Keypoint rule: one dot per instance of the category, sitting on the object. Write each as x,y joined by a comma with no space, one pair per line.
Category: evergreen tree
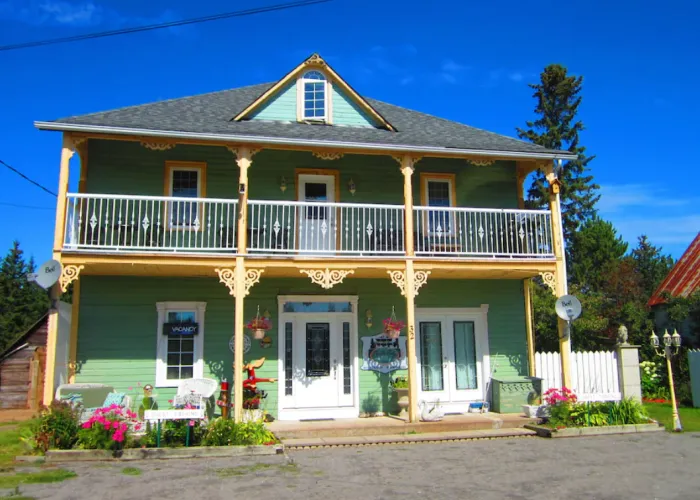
650,264
21,303
558,99
594,251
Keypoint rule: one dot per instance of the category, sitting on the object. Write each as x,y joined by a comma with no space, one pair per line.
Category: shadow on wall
382,400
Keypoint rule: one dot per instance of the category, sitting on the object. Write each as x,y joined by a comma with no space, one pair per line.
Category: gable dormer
314,93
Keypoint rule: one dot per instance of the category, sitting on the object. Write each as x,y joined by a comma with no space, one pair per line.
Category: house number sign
384,355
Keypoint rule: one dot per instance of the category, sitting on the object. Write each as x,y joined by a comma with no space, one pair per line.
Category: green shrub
224,432
57,427
597,414
625,412
400,383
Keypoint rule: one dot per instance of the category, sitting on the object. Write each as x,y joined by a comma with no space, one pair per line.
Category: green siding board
118,321
347,112
281,107
124,167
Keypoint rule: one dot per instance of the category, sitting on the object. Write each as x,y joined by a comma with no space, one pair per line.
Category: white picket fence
594,375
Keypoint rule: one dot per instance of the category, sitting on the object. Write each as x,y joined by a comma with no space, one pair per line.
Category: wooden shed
22,367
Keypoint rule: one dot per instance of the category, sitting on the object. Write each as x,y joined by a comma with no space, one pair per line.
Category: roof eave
251,139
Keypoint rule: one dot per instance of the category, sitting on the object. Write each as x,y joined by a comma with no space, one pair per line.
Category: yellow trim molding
398,278
425,177
315,62
550,280
68,275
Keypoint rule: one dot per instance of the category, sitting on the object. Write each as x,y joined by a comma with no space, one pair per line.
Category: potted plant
393,326
534,408
259,325
400,385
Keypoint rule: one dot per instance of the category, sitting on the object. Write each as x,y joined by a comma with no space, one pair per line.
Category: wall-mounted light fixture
368,318
283,184
351,186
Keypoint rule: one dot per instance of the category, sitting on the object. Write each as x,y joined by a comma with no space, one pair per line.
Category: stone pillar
628,371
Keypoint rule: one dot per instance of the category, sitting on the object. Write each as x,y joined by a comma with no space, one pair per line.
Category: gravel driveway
651,466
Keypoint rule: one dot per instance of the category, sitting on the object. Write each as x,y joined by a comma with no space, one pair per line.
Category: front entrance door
318,361
316,225
452,349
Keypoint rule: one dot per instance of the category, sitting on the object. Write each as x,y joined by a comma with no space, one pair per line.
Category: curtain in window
465,355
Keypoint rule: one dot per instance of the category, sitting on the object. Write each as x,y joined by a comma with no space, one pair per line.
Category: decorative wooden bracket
398,278
227,276
69,274
328,155
327,278
481,162
234,150
550,280
414,160
158,146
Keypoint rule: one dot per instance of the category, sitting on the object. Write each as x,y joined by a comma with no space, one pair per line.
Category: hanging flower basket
393,326
259,325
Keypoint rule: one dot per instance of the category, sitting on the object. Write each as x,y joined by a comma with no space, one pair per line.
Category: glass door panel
432,376
465,355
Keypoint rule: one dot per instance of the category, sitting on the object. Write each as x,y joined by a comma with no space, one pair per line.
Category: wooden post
409,289
243,159
34,373
529,328
59,231
560,272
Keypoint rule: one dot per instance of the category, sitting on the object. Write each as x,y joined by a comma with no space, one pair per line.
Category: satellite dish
47,274
568,307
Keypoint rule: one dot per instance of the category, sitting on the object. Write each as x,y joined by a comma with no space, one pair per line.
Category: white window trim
450,190
173,169
328,101
162,341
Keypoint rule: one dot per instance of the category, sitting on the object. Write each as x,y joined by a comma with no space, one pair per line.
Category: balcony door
316,224
452,347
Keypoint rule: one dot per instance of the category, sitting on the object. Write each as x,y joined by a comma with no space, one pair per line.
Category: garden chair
195,391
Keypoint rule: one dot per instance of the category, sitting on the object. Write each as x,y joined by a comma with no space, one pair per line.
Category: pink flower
87,425
191,423
170,401
131,388
118,437
107,425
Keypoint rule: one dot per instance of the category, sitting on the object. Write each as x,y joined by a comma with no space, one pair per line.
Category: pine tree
650,264
558,99
21,303
595,249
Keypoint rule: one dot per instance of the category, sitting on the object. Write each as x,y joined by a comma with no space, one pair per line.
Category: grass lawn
690,417
10,445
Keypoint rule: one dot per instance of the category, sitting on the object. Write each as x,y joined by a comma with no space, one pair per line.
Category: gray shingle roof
212,113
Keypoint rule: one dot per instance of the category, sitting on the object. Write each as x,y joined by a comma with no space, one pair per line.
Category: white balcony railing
123,223
144,224
317,228
474,232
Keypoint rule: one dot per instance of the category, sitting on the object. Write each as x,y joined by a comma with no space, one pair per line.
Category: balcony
196,226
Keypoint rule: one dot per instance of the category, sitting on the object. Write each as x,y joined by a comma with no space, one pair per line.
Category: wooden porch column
55,292
409,288
561,287
243,159
529,327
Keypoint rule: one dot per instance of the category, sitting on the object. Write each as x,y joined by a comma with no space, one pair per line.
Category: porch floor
391,425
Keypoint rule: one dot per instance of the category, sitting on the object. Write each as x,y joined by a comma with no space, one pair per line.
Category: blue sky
466,61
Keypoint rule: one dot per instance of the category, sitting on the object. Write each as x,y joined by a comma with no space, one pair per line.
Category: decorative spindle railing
145,224
123,223
475,232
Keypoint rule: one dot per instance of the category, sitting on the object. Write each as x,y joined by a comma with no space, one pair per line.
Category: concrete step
382,426
428,437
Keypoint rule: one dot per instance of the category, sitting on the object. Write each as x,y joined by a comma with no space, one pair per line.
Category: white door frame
286,409
479,315
318,240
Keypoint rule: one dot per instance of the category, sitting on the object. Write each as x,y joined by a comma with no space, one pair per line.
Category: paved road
652,466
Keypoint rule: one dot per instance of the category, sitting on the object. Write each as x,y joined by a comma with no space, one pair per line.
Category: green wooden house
320,210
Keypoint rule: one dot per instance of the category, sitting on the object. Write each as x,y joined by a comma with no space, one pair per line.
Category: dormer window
314,98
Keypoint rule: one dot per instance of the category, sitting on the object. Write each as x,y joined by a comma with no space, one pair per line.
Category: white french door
316,225
318,359
452,351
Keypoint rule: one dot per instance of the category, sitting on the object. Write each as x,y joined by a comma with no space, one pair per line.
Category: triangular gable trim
315,61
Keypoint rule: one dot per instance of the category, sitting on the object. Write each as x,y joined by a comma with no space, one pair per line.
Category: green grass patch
690,417
131,471
10,444
44,476
247,469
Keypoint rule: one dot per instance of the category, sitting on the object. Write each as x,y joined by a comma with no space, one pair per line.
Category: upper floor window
314,97
438,190
184,180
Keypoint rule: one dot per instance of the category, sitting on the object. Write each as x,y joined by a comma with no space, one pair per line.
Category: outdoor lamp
676,339
667,339
283,184
368,318
654,339
351,187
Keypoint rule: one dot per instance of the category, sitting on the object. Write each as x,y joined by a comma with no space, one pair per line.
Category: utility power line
31,207
28,179
137,29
